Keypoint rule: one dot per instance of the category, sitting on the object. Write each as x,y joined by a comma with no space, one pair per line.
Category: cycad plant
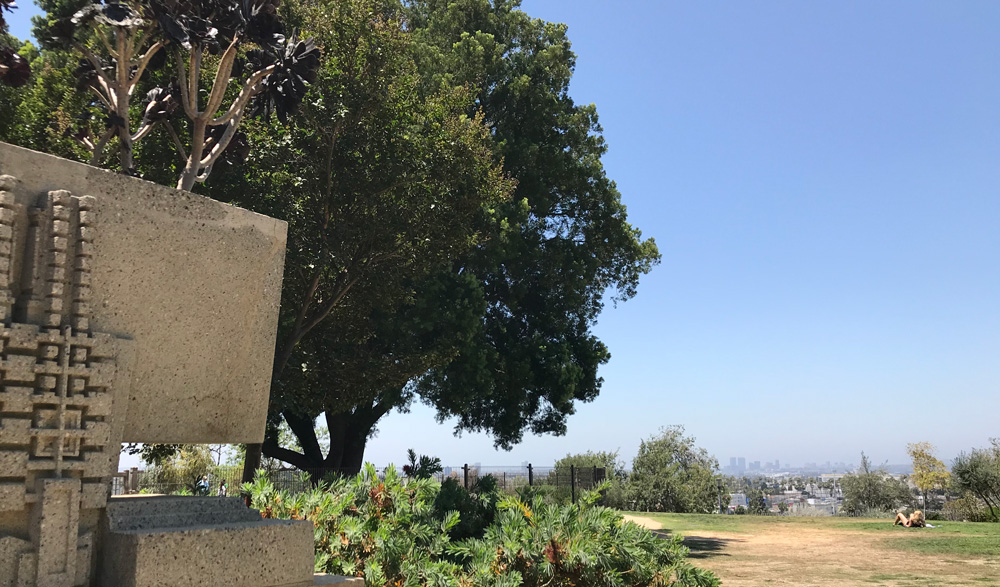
387,530
533,543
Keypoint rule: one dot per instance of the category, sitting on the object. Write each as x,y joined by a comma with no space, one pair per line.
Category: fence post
531,476
572,482
465,474
593,478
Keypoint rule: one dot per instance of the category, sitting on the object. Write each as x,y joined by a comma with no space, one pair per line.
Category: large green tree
382,185
415,269
500,339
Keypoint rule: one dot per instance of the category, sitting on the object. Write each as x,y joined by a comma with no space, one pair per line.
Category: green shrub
978,473
379,529
671,474
871,492
476,508
535,544
394,531
968,508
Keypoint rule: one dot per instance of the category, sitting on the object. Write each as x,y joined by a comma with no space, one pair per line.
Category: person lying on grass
916,520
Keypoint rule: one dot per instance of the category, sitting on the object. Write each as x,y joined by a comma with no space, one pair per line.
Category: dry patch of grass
752,550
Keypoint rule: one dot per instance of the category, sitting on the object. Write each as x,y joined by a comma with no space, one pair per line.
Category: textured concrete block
142,314
54,529
232,545
195,283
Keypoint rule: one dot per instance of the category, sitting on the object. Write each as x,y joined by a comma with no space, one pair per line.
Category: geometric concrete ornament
57,408
130,312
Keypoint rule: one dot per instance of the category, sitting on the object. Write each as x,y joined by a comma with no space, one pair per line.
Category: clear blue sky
823,180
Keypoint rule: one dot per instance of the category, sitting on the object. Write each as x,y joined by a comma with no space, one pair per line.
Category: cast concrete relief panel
193,282
128,312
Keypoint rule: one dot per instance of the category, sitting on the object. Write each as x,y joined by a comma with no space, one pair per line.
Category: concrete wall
195,283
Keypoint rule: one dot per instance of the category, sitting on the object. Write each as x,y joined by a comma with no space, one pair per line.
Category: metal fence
563,483
154,481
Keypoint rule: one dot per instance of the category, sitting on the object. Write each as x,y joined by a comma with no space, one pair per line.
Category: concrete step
181,519
139,513
121,506
263,553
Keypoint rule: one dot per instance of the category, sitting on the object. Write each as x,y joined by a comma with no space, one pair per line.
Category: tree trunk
349,432
348,437
252,462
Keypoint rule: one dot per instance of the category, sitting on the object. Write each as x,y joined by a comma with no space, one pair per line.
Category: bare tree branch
248,91
221,79
143,62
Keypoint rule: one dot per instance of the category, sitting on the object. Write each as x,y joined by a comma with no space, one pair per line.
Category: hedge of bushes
409,532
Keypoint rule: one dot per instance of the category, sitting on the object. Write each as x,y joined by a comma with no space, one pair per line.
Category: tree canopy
499,338
453,236
929,472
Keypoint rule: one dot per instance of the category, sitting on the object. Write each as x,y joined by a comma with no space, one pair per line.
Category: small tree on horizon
671,474
929,473
872,489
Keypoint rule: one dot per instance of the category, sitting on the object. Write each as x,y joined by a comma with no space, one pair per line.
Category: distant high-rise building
732,462
742,464
777,464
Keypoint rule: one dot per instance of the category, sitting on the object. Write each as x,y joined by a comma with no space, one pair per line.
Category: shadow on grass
701,546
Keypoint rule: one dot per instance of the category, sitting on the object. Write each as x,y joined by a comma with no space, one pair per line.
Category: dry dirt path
806,557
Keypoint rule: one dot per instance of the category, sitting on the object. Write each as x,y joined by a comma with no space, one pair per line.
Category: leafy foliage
967,508
500,336
614,467
183,467
977,473
476,507
421,467
155,454
382,186
583,465
929,473
392,533
756,502
671,474
568,242
870,491
14,69
119,41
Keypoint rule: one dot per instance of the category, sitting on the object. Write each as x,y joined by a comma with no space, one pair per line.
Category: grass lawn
755,550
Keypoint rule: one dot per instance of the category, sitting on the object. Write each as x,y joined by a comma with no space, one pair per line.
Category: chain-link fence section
565,484
220,481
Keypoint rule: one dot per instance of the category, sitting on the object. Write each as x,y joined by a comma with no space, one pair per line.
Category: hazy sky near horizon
823,181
